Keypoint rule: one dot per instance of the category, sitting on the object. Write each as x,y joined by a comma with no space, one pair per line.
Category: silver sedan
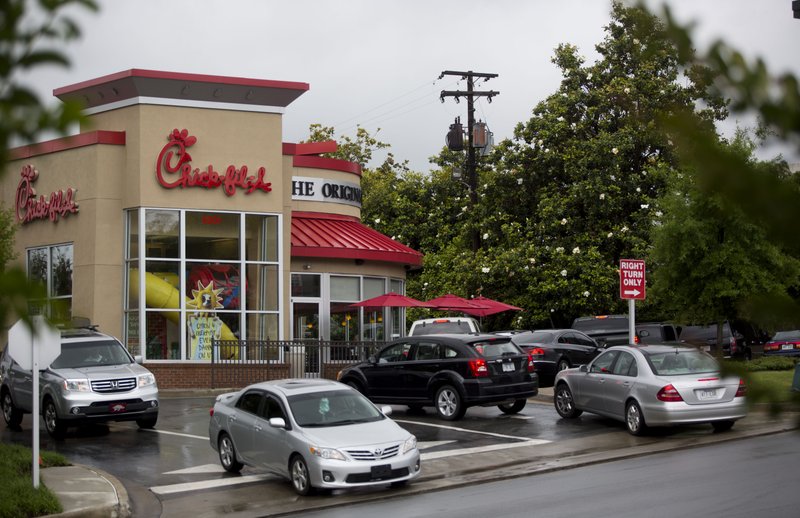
652,385
319,434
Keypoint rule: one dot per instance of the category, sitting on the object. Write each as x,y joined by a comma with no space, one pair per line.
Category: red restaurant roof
344,237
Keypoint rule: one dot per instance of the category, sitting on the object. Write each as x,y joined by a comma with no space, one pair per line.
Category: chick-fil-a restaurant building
178,215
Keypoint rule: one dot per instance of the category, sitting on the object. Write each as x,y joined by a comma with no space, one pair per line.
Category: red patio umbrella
450,302
491,307
391,300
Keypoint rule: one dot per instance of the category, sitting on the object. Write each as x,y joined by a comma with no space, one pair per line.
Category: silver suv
94,379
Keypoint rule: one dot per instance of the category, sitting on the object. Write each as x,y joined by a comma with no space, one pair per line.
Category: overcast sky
377,62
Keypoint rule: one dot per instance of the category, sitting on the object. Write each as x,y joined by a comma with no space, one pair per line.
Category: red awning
342,237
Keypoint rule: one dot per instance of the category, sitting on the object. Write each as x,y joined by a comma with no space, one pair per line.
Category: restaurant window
207,276
344,324
373,324
51,267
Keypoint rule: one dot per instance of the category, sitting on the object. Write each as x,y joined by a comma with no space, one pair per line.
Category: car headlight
145,380
77,386
410,444
327,453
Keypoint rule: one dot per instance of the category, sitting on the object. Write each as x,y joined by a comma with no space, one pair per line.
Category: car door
385,376
20,382
582,349
589,394
271,447
241,423
619,383
426,356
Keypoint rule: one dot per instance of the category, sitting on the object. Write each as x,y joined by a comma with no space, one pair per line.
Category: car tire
449,404
563,364
513,408
565,403
54,425
11,414
147,423
301,479
227,454
634,419
722,426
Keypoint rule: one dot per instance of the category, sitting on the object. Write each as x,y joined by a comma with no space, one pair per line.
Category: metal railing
238,363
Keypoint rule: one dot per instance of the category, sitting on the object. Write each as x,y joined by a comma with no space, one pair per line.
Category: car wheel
227,454
449,404
513,408
563,364
634,420
301,481
565,404
722,426
11,414
55,426
147,422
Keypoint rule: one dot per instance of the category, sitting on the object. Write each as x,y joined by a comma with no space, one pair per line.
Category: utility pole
470,94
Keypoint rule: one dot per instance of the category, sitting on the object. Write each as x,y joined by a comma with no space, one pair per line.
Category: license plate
508,367
379,472
787,347
706,394
116,408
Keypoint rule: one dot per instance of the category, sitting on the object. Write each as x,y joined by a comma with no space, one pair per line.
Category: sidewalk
87,492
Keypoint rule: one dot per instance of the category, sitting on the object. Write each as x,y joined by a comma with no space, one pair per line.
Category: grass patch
18,498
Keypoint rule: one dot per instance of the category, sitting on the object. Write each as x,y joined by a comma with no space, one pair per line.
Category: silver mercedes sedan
319,434
652,385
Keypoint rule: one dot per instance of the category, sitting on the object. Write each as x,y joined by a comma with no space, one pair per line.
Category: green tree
31,36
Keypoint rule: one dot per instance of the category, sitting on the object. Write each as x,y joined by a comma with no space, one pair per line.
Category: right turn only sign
631,279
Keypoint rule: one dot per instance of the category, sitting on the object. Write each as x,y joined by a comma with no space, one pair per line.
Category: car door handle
258,428
231,418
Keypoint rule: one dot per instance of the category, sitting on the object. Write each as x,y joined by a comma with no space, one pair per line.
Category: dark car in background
449,372
610,330
783,343
704,337
554,350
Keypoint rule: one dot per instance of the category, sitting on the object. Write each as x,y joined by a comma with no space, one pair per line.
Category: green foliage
771,363
18,498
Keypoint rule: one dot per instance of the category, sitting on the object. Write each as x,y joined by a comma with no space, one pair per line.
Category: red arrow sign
632,279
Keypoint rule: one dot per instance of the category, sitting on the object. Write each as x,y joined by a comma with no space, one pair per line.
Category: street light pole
471,166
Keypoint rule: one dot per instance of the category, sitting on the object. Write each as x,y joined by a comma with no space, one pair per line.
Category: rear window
495,349
542,337
682,362
443,327
787,335
601,323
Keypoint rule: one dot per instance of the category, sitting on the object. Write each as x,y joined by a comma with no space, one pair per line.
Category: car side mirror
584,368
277,422
387,410
138,359
372,359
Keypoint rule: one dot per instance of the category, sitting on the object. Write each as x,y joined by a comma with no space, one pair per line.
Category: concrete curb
87,492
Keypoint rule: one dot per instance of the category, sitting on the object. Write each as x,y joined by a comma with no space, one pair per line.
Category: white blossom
547,150
532,260
486,235
645,205
623,229
610,234
464,208
564,221
627,90
576,250
585,293
563,273
635,41
589,75
560,119
659,213
614,177
638,189
559,249
425,284
377,220
485,269
519,181
540,142
614,150
602,196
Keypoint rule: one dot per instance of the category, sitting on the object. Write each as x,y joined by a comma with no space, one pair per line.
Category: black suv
449,372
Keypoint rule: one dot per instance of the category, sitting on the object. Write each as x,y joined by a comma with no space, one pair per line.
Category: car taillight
536,352
771,347
478,368
733,345
742,390
531,366
668,393
211,412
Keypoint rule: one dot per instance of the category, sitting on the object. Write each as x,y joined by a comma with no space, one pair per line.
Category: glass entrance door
305,328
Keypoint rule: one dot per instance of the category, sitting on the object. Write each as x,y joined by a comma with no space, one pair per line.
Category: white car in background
444,325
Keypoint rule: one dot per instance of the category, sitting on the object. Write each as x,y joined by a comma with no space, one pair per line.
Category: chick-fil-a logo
174,169
29,207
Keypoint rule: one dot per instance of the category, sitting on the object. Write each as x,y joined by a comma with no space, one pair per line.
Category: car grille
357,478
108,386
375,454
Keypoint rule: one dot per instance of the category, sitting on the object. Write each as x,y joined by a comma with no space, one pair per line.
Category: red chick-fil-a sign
174,170
29,207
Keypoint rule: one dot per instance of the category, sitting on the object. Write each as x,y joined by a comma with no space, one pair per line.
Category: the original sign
631,279
319,189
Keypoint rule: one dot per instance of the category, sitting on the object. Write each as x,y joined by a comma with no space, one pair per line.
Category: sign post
632,287
30,351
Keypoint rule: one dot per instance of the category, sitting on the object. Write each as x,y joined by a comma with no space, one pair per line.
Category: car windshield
496,349
338,408
682,362
91,354
787,335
